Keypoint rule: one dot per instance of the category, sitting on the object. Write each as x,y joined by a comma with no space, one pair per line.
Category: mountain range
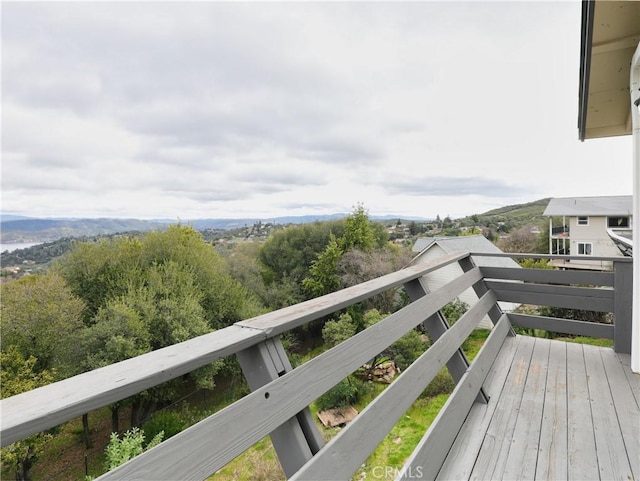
20,229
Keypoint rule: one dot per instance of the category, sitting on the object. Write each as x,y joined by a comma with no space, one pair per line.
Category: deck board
612,456
556,411
582,460
523,450
493,453
626,408
464,451
552,452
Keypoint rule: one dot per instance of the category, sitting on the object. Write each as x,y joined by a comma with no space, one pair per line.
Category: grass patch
587,340
388,458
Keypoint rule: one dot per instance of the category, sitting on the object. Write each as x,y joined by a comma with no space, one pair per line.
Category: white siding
596,234
437,279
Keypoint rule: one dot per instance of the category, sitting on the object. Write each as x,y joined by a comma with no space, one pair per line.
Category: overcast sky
199,110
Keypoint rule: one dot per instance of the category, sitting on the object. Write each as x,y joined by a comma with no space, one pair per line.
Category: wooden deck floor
557,411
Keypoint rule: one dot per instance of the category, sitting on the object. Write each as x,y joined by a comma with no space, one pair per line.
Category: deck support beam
436,325
298,439
622,307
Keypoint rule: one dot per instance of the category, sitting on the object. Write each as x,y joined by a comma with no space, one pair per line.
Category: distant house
429,248
591,226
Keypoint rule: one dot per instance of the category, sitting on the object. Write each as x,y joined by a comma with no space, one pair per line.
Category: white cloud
221,109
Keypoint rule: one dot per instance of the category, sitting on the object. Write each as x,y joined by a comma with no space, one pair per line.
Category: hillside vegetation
512,217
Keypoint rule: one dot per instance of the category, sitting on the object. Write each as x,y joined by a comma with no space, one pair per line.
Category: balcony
524,408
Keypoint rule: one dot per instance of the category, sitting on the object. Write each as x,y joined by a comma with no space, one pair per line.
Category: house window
618,222
584,248
583,220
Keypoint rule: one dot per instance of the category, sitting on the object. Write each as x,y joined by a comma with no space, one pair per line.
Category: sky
192,110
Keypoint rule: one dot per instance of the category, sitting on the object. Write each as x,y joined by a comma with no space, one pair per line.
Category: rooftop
621,205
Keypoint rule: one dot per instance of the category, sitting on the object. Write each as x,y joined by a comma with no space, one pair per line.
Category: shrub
454,310
119,451
334,332
407,349
443,383
348,391
169,422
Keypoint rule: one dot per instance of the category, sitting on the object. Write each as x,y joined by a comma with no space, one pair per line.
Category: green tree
288,254
148,293
41,317
336,331
358,231
323,277
20,374
110,269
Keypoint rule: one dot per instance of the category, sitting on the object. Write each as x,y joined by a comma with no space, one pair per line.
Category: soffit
605,68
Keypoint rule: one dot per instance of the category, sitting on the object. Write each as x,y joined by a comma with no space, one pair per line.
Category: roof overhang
609,38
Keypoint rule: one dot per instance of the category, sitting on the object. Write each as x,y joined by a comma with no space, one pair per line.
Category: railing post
480,289
622,306
436,325
298,439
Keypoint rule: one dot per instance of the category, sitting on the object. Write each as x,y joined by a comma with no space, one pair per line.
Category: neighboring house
429,248
589,226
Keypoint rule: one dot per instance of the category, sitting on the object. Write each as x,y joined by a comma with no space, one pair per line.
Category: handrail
48,406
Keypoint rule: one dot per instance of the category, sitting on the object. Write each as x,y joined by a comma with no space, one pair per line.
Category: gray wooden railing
278,403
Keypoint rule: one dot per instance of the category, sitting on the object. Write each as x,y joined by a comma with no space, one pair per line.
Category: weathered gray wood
570,412
436,325
623,303
207,446
261,364
480,288
549,256
566,326
342,457
581,449
600,300
633,378
54,404
462,455
290,317
495,448
431,451
523,452
549,276
613,462
552,450
626,407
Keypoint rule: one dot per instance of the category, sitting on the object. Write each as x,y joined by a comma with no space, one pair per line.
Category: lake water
13,247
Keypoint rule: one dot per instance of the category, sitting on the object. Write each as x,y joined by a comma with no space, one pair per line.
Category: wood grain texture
581,448
613,461
566,326
600,300
626,407
552,451
549,276
495,448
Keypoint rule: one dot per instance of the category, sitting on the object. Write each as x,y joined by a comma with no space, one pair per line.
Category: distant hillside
513,216
46,230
